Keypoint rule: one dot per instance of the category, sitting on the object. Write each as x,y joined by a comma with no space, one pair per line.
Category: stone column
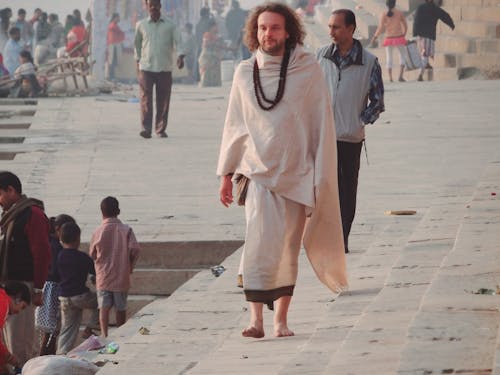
99,35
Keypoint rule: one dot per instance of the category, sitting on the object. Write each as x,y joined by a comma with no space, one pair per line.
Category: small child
115,251
47,316
74,266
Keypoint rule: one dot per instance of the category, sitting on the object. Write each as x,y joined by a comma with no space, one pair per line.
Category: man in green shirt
155,40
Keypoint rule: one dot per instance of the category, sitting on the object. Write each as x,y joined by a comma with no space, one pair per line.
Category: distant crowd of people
44,275
26,44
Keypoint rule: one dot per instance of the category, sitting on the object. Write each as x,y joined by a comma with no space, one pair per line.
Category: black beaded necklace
259,92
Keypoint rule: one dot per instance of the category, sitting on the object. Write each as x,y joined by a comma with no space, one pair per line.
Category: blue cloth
11,53
74,266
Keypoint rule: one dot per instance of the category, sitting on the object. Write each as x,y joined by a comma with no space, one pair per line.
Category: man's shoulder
37,214
320,52
367,54
244,67
142,22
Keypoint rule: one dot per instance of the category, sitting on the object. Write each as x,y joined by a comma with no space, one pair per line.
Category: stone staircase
471,50
411,307
164,267
16,116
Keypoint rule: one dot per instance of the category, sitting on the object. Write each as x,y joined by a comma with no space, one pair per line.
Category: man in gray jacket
354,79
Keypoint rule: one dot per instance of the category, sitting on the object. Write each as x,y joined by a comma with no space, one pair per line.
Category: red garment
77,35
80,32
115,34
4,313
37,230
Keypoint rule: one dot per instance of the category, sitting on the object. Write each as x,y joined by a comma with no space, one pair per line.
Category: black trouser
348,160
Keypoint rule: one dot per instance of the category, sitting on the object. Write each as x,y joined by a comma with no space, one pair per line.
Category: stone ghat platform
411,308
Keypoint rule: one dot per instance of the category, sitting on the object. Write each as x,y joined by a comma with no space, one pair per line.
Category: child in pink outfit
395,26
115,250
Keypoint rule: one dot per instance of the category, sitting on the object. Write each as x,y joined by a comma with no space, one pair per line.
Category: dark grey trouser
163,83
71,318
348,160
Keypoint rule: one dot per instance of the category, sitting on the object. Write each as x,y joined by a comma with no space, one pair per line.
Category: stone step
369,270
19,124
134,304
188,334
16,102
455,44
159,281
483,46
191,254
374,344
467,60
471,29
474,13
464,44
456,331
471,3
182,254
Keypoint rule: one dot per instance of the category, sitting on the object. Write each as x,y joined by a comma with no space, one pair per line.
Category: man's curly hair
293,25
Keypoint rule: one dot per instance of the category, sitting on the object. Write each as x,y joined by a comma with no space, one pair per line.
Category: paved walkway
410,309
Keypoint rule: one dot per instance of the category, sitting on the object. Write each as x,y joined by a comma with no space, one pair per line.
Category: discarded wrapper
111,348
400,212
144,331
218,270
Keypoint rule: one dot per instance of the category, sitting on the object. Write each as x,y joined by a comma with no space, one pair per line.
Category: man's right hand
226,190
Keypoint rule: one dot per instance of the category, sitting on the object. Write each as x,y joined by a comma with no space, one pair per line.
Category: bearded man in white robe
279,134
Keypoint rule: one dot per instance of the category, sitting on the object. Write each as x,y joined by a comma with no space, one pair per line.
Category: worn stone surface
409,309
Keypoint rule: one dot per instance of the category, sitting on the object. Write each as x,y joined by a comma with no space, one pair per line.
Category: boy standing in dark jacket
74,266
424,28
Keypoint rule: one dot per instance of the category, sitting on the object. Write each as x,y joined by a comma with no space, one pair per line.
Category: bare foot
282,330
252,331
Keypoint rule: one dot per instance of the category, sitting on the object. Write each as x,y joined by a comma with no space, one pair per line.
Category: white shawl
291,150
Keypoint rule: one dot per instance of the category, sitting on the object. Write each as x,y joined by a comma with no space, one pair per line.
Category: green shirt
154,44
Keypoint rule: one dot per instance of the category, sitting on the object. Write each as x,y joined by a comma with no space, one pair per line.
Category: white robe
291,150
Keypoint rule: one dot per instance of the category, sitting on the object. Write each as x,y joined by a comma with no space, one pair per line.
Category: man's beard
275,49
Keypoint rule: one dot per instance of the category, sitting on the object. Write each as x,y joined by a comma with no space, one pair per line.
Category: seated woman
27,84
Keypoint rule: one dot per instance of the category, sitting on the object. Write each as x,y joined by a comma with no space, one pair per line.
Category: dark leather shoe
145,134
163,135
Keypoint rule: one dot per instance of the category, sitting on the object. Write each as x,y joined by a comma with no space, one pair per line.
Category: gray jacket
349,88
